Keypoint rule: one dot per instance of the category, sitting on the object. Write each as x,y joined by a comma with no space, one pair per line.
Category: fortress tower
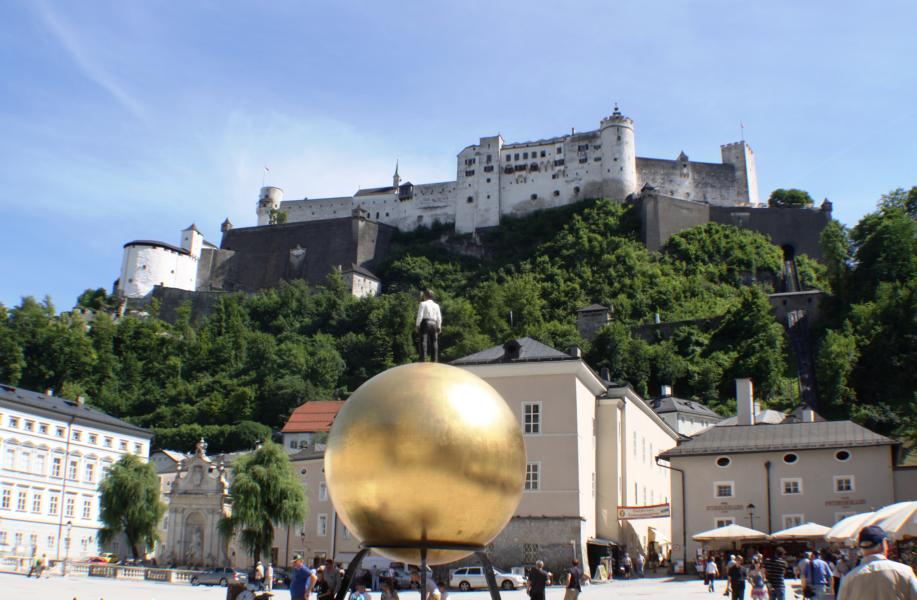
619,155
741,156
269,199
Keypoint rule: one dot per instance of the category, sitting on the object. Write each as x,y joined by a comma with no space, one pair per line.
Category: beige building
770,476
589,450
322,534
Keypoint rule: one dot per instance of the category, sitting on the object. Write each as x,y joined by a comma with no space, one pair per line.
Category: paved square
83,588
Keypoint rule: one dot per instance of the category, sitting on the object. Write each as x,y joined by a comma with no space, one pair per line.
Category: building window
69,506
576,190
345,533
842,455
322,529
36,502
792,520
724,521
53,504
723,461
72,469
56,465
90,472
93,438
87,509
558,162
583,160
556,193
20,502
532,476
723,489
43,428
30,425
76,435
5,499
469,173
138,449
14,422
9,458
322,491
51,540
791,487
530,553
525,156
122,445
292,444
531,417
844,483
25,461
791,458
3,538
107,442
59,432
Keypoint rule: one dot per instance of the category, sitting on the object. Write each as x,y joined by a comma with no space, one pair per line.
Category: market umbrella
806,531
849,527
728,533
900,521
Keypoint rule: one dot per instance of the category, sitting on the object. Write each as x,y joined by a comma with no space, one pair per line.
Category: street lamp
67,545
751,514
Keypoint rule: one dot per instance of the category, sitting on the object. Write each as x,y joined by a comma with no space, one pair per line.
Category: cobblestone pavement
18,587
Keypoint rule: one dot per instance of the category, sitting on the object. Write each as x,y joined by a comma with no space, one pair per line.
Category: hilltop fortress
493,180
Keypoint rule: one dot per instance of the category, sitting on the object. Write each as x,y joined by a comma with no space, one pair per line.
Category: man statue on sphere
428,324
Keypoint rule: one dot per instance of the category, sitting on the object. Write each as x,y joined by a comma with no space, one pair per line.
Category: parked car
108,557
467,578
281,577
98,560
219,576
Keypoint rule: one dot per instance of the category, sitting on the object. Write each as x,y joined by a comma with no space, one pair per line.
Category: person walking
332,576
737,574
258,579
841,568
775,569
429,324
628,565
537,581
322,589
269,577
574,581
711,572
302,580
757,576
388,590
877,577
639,563
816,577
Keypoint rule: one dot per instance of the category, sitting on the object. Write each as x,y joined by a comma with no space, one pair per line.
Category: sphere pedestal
423,549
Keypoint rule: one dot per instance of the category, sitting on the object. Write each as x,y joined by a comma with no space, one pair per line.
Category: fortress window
470,199
508,170
553,175
488,168
386,214
583,160
525,155
469,173
489,159
582,147
558,162
509,157
534,196
516,156
597,159
619,138
560,150
533,167
576,190
556,192
488,180
542,154
597,146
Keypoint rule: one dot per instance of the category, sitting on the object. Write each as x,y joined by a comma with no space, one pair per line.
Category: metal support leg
351,571
489,575
423,574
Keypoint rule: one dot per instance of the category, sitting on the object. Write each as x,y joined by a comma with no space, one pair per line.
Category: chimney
575,352
666,391
80,401
745,402
808,415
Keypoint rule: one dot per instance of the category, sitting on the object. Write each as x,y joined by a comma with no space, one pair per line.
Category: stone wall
798,228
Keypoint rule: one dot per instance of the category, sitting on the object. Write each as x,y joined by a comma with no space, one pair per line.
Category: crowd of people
822,574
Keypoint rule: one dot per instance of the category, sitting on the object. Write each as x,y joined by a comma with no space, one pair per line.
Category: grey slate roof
379,190
530,350
37,402
670,404
354,267
783,436
156,244
593,308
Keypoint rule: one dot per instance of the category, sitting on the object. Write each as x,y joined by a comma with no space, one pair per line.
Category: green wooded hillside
241,370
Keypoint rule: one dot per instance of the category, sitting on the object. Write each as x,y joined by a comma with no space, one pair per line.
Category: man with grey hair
878,578
537,581
428,325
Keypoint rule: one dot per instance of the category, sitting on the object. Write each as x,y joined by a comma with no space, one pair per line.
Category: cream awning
900,521
729,533
806,531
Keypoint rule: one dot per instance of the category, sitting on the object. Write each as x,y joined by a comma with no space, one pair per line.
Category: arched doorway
193,539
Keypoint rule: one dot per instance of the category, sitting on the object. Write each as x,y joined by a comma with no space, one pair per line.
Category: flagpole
264,174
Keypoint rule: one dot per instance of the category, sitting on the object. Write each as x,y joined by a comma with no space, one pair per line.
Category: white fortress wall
145,266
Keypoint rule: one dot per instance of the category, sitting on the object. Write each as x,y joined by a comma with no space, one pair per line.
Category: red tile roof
313,416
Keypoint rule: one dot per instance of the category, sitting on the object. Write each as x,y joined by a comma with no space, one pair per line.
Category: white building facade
495,179
146,264
54,454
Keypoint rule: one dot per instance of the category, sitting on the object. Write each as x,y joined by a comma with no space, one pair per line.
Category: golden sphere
428,453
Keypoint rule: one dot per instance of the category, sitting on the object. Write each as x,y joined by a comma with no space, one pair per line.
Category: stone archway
193,542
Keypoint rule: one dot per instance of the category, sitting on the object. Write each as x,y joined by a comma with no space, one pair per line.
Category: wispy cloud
68,37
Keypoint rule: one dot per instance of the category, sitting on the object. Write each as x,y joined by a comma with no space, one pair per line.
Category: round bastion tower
269,199
619,156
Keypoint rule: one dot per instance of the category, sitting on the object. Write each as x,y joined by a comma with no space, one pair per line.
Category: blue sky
130,120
